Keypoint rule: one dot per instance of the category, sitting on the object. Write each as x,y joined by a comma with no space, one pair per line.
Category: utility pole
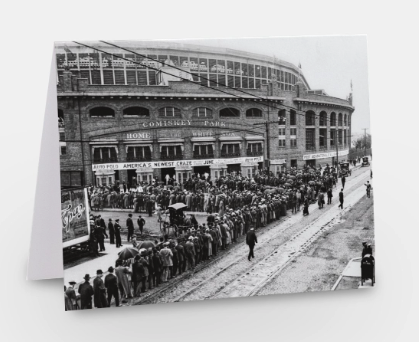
365,141
337,151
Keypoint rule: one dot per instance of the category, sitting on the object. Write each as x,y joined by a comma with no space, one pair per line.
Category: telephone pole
365,141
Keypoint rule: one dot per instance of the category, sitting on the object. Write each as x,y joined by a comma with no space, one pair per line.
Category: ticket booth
104,177
183,173
144,174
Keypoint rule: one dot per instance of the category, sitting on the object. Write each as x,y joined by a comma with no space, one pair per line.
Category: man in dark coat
117,229
181,257
341,198
100,238
329,195
130,227
137,275
343,181
111,284
99,290
251,240
103,225
111,232
141,223
86,293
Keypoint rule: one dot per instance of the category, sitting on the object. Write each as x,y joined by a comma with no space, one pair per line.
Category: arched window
340,119
333,119
169,112
136,112
253,113
310,118
229,113
102,112
323,119
282,117
202,112
345,120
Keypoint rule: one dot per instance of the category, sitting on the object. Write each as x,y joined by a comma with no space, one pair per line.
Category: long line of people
234,204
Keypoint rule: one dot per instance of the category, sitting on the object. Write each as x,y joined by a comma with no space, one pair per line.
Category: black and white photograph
209,169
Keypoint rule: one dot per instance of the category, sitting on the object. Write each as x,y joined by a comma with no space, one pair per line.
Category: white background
34,310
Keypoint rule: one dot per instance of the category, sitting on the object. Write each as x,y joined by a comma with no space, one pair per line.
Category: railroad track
274,259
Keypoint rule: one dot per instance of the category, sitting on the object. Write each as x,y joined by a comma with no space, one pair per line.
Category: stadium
133,111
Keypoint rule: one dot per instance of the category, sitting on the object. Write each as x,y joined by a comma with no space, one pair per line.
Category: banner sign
74,217
278,161
325,155
175,163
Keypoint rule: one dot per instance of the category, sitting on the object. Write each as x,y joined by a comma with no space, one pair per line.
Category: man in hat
141,223
99,291
341,198
86,293
111,284
190,252
117,229
166,256
130,227
71,298
251,240
111,232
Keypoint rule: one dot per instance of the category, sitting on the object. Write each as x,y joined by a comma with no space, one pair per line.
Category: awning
138,145
230,138
101,146
203,139
182,147
203,144
100,142
254,137
232,143
168,140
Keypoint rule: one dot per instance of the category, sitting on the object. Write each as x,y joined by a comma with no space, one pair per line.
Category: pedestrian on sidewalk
341,198
251,240
117,229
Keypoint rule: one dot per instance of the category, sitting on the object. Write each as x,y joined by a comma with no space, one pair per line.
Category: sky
328,63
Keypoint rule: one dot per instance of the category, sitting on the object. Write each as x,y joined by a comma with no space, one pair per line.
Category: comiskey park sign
176,163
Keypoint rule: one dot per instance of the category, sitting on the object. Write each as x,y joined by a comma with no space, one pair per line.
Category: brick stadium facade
127,122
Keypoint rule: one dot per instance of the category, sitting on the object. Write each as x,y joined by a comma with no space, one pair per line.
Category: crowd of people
236,206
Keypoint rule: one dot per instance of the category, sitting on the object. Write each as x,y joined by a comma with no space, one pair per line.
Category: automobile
344,169
365,161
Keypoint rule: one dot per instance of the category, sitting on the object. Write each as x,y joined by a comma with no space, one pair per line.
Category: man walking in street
251,240
341,198
117,229
343,181
141,223
130,227
329,196
368,185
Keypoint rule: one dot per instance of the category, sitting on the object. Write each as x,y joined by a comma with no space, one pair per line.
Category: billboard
74,217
